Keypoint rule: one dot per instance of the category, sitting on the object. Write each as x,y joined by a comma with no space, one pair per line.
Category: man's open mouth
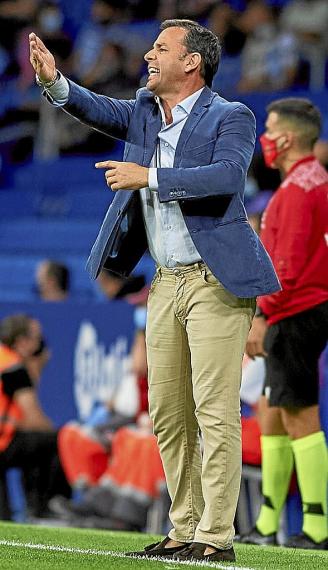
153,71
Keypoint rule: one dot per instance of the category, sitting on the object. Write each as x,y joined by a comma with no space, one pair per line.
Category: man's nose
149,55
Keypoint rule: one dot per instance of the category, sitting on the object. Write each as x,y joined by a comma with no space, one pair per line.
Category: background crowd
270,48
272,45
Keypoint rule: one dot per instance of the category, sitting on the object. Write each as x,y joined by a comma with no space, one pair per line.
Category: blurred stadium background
52,199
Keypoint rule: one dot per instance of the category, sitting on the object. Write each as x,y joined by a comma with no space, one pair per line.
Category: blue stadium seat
17,277
43,236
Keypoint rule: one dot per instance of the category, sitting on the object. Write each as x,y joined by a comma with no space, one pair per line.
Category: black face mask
41,347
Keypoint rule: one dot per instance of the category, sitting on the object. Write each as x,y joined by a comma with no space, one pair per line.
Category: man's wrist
48,84
259,312
58,93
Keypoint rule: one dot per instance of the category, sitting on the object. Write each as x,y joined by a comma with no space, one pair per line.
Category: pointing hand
124,175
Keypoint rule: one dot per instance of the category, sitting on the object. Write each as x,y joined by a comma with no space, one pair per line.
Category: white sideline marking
115,554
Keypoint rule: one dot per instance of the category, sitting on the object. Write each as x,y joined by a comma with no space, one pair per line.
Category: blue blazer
208,178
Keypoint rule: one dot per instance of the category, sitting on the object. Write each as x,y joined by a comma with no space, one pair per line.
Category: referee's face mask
271,149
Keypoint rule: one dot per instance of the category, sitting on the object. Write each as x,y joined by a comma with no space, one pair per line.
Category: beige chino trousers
196,335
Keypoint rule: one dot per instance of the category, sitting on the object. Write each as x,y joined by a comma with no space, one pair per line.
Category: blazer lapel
195,116
152,128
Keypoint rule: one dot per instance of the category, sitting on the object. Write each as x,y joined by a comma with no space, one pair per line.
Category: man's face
276,131
42,279
167,62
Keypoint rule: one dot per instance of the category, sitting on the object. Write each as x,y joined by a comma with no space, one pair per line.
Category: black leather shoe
303,540
196,552
256,537
158,550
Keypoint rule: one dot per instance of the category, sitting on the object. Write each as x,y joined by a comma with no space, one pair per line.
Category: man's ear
286,140
193,60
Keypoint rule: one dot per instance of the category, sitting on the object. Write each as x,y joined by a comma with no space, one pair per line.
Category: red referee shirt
294,231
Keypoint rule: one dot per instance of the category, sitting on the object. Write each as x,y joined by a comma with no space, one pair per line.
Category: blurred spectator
53,281
27,436
142,9
167,10
224,22
19,103
116,71
270,56
84,448
91,39
116,287
308,20
49,21
194,9
15,15
131,482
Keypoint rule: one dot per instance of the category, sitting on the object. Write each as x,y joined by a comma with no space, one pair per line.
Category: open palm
41,58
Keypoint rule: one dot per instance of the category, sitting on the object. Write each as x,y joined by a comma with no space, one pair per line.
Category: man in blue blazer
179,192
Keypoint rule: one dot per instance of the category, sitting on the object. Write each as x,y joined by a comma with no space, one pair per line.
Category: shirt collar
186,104
307,158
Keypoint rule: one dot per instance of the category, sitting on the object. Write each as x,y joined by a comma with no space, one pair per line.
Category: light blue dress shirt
168,238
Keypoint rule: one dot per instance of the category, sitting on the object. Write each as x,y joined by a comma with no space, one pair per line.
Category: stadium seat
41,236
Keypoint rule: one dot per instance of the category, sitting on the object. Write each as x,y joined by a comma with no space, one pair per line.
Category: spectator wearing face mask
269,57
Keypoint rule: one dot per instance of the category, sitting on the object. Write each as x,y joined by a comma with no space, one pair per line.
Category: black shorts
294,346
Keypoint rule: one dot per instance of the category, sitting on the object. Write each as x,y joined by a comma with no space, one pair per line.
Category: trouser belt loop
202,268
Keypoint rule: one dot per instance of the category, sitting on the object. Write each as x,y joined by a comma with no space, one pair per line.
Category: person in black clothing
28,439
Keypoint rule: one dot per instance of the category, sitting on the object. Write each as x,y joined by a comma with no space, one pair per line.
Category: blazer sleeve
105,114
227,171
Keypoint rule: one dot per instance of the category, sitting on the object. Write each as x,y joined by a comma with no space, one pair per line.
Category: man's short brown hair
201,40
302,116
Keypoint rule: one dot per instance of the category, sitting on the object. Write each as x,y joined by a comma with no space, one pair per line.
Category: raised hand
124,175
42,60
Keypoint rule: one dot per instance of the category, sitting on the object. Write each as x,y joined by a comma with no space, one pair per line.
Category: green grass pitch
27,547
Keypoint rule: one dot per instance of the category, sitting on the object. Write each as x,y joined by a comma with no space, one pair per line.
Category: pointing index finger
106,164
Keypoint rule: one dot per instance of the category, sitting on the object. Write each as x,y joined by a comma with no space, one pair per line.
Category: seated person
27,436
84,448
53,281
116,287
133,478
